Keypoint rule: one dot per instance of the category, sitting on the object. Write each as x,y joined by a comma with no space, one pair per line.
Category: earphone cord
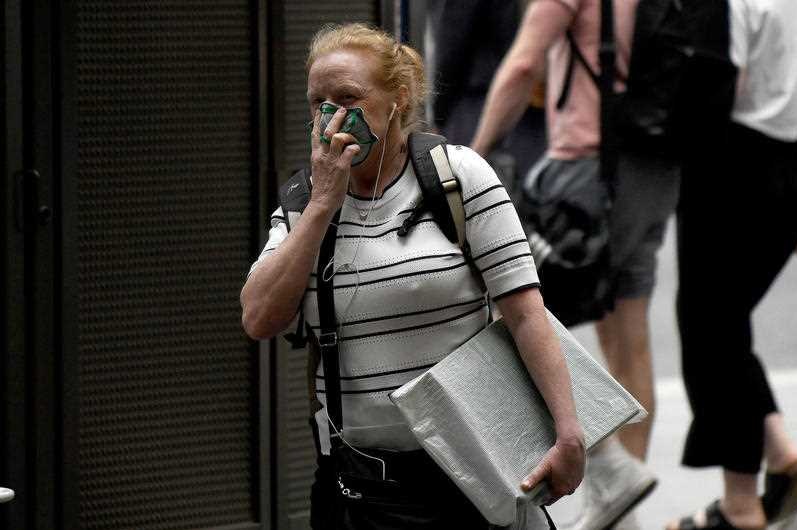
339,434
353,261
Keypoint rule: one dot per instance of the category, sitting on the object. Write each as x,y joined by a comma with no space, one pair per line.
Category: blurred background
142,146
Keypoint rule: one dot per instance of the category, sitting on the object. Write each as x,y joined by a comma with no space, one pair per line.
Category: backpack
680,74
440,190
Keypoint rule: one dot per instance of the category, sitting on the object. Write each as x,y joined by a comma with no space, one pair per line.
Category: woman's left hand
562,468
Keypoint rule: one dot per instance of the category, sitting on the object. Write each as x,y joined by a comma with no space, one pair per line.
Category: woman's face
349,78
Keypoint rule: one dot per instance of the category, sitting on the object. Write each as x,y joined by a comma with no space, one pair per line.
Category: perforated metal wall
294,444
164,220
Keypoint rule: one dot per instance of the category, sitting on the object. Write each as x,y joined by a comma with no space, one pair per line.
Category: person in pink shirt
646,191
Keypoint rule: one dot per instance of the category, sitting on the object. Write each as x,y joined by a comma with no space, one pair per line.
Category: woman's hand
562,468
331,162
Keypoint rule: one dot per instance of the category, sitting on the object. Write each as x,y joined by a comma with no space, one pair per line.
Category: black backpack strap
607,59
575,55
295,194
293,198
298,338
442,194
328,337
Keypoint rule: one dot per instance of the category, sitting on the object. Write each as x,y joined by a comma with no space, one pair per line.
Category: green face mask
354,124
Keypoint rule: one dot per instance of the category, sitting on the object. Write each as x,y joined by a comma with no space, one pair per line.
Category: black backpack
680,75
680,81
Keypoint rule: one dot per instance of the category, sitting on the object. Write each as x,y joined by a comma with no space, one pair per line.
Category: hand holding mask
354,124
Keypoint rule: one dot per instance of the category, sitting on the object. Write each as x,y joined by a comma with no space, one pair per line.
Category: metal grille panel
165,155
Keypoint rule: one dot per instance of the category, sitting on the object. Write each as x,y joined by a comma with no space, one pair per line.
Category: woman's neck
363,179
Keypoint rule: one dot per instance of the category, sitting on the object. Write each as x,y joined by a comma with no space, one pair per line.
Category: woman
403,302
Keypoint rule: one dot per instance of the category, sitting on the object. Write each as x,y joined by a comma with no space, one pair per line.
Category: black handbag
565,207
413,495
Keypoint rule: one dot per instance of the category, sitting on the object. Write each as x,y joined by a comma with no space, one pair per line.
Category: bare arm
543,23
563,465
272,293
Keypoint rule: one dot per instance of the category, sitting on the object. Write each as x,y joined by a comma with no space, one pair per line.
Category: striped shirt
405,302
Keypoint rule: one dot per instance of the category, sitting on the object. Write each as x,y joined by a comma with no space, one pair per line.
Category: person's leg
646,194
624,339
616,479
780,451
727,261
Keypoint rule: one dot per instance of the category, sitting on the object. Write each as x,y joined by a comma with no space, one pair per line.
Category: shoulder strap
294,195
328,337
441,191
575,55
608,59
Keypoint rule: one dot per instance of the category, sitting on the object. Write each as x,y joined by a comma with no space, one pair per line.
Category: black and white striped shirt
405,302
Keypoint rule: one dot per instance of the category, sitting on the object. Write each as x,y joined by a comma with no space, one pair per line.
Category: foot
719,516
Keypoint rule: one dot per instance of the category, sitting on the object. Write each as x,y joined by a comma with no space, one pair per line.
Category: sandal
780,494
715,520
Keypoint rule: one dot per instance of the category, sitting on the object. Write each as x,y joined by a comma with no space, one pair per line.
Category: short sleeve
740,32
497,242
276,235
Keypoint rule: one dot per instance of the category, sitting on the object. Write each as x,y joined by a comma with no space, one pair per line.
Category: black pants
737,227
421,498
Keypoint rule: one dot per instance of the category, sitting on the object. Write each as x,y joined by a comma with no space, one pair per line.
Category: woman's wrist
319,210
570,433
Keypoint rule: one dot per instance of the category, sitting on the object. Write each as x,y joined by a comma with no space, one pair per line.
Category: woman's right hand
331,162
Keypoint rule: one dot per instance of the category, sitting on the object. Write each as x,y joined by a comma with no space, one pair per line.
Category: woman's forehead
339,66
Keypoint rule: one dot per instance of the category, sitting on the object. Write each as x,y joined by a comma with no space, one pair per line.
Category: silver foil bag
480,417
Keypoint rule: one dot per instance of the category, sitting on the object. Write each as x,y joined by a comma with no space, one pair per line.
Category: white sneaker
615,483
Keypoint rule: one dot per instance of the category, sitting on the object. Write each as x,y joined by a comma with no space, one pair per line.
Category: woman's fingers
348,154
537,475
562,468
339,141
334,124
315,134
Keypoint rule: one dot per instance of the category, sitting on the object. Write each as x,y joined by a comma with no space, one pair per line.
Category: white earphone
392,112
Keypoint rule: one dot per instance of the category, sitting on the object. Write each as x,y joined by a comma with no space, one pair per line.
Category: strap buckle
326,340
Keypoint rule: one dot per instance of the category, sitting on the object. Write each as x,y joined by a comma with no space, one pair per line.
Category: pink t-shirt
574,131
